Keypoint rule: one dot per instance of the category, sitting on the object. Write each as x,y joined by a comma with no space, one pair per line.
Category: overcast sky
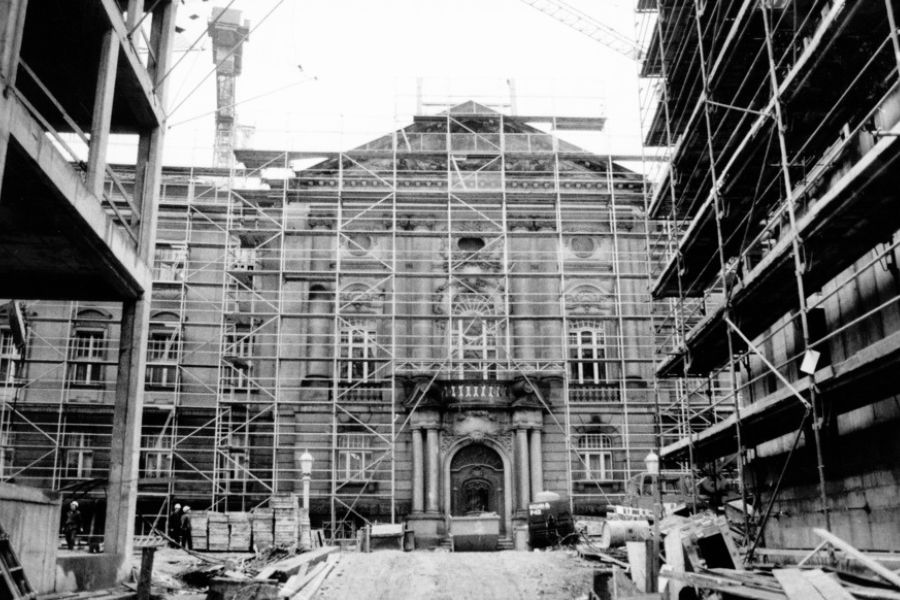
366,56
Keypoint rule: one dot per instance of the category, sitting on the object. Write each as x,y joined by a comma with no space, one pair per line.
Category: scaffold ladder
13,582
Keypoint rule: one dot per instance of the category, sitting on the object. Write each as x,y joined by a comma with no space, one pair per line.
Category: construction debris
701,553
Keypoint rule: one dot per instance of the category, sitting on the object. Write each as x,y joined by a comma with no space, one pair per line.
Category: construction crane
588,25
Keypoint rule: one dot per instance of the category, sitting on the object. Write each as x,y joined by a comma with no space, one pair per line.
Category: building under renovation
781,119
65,234
467,310
449,318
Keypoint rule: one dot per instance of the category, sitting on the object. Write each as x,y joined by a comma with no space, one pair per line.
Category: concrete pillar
121,494
524,489
12,23
135,12
129,401
418,474
102,115
432,477
537,466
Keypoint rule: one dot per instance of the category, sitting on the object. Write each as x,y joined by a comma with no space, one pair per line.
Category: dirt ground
439,575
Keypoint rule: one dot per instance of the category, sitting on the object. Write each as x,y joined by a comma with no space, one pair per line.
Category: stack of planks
199,520
262,525
218,531
239,531
286,514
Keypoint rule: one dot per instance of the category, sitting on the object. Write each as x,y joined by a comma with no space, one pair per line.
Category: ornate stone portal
476,448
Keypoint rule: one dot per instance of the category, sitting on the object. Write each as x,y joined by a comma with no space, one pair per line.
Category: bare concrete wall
31,517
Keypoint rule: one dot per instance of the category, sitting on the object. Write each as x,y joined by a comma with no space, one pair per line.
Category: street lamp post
652,463
306,461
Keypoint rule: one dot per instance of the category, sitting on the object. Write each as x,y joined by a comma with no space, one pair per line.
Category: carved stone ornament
503,440
361,299
588,300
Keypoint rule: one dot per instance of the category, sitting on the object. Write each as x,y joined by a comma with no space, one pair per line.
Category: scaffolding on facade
780,119
315,307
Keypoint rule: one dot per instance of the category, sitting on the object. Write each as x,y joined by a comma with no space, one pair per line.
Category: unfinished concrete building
781,119
65,232
449,318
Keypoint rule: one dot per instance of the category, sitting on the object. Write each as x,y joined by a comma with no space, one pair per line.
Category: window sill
86,386
358,486
587,485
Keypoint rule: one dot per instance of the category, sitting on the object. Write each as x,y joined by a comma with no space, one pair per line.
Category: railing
130,222
476,392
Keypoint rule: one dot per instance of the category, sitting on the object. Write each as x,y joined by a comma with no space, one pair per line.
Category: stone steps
504,543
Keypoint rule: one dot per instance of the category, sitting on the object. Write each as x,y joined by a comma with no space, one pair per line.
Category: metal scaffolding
779,122
315,300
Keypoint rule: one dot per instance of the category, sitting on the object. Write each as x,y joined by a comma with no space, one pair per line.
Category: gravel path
441,575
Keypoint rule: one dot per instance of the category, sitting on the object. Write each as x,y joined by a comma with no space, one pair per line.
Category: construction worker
72,525
187,540
175,526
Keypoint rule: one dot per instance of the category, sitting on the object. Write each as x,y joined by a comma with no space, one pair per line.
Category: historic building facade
450,319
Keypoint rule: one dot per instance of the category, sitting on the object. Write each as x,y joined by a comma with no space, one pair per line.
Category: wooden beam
871,563
796,586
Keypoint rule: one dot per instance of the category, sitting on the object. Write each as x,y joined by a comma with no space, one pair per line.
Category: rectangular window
597,465
476,342
595,457
157,459
587,356
242,259
10,359
88,351
239,348
162,358
238,463
79,458
169,262
357,352
354,457
7,455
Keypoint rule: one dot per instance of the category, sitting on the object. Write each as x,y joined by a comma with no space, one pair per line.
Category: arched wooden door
476,482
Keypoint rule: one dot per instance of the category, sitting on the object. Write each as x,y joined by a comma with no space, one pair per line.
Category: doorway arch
477,479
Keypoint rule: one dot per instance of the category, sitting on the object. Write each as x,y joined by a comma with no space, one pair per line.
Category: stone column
524,490
319,339
418,474
551,327
537,467
432,477
420,293
521,300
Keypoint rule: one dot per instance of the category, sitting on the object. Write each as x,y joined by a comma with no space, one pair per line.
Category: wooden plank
313,586
796,586
868,562
871,593
732,587
291,588
828,586
292,565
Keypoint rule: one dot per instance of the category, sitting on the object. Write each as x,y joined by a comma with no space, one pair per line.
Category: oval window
583,247
470,244
359,244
